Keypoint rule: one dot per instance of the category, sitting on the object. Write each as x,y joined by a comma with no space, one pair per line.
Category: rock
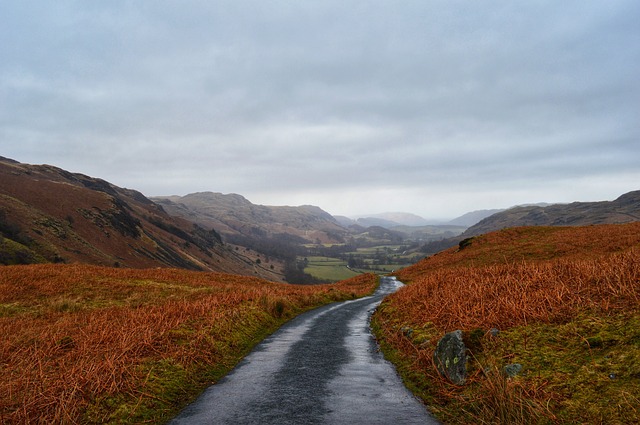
450,357
494,332
513,369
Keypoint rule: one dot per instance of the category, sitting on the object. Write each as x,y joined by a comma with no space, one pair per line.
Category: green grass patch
589,368
13,309
584,371
329,269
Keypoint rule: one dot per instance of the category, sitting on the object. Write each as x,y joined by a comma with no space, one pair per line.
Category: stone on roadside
450,357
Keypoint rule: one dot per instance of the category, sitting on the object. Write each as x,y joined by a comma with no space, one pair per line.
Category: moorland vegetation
563,303
90,344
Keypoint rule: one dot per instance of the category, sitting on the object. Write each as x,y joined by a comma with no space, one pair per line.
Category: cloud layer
433,107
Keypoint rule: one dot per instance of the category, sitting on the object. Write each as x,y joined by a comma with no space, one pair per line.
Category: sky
434,107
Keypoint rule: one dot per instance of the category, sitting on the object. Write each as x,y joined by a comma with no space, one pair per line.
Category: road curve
323,367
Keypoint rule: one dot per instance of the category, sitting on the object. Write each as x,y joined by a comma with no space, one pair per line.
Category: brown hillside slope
88,344
566,302
517,244
624,209
51,215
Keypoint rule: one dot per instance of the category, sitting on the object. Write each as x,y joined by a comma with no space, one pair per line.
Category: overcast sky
431,107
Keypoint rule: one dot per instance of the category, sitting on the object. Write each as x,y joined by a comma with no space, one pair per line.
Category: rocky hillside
51,215
625,209
233,215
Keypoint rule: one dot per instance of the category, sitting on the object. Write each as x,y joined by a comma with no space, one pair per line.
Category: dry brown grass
506,295
531,244
93,344
527,279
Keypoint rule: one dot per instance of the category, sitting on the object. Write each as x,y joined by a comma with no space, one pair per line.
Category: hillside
550,317
233,215
93,345
48,214
518,244
625,209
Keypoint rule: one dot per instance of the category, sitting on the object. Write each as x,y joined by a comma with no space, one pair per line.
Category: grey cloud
321,98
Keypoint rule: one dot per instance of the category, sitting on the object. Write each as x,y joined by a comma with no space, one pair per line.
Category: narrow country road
323,367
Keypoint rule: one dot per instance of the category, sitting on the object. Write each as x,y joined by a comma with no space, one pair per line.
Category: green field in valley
364,260
327,268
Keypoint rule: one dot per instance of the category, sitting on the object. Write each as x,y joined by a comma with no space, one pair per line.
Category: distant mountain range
390,220
51,215
234,217
473,217
396,218
286,232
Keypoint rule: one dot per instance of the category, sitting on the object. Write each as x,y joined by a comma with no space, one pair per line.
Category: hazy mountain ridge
234,215
410,226
386,219
473,217
376,222
624,209
399,218
48,214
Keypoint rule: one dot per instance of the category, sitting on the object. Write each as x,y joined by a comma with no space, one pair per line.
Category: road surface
323,367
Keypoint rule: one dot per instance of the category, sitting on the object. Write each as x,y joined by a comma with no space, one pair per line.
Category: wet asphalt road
323,367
